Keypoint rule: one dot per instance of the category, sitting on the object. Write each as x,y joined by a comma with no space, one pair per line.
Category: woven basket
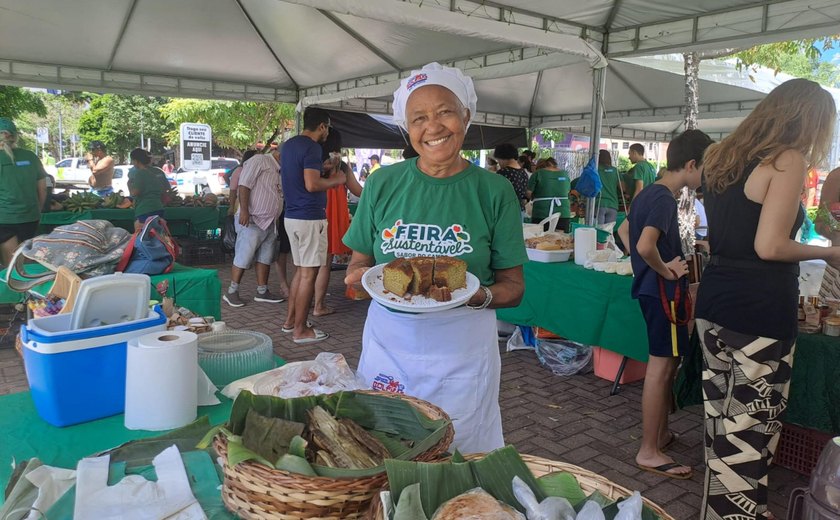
589,482
254,491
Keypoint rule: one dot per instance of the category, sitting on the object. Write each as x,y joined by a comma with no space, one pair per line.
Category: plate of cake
421,284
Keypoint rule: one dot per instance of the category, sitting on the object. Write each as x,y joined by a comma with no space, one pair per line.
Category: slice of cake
440,294
397,275
424,267
450,273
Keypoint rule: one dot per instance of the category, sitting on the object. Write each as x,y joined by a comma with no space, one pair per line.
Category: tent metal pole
599,80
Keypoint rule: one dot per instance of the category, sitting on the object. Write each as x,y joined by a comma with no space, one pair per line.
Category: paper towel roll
586,241
160,383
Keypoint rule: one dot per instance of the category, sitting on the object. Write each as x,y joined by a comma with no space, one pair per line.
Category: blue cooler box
78,376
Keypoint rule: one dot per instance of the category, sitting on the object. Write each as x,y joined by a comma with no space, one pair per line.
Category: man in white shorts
260,201
306,218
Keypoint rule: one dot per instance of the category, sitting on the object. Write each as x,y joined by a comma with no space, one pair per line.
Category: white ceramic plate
372,282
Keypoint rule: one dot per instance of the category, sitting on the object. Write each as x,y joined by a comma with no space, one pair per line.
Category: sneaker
233,299
267,297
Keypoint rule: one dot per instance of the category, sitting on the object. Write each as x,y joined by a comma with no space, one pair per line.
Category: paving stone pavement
571,419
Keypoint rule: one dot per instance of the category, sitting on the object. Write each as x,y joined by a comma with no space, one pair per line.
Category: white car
191,182
73,170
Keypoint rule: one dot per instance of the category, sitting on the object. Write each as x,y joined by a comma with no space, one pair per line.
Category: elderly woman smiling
440,204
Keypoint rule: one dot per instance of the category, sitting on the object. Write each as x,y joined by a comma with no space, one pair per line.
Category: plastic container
110,300
77,376
538,255
608,362
800,448
233,354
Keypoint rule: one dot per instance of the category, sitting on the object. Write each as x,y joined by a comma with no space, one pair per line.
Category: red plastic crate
800,448
607,363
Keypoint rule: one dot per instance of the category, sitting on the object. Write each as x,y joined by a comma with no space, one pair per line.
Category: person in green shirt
548,189
608,210
24,192
439,204
643,174
146,183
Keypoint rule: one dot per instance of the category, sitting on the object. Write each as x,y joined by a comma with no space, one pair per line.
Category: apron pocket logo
386,383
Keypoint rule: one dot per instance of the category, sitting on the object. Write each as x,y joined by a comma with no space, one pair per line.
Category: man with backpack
148,185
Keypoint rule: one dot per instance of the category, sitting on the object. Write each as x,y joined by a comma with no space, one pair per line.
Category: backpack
589,184
87,247
151,250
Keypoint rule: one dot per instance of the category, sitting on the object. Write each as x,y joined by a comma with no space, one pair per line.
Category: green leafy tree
66,109
799,58
236,125
15,101
121,121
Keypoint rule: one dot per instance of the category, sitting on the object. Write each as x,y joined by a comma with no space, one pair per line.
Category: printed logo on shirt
386,383
405,240
23,163
416,80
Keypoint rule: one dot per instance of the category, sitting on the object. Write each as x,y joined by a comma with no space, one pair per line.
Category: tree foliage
236,125
800,58
120,121
70,109
15,101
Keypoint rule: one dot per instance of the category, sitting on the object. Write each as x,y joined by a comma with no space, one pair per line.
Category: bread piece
424,268
440,294
476,503
549,246
397,276
450,272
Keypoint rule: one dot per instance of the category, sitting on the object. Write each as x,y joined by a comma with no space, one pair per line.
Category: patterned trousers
745,388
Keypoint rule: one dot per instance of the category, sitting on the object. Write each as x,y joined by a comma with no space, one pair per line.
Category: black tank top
740,291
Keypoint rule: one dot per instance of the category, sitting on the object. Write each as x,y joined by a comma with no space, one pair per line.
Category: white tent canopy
532,60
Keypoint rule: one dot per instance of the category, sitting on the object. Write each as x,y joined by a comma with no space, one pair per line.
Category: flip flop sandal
320,335
664,468
286,330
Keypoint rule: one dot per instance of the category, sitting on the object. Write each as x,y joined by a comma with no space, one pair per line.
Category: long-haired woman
747,302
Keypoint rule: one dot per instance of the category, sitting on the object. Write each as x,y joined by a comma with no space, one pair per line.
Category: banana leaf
495,474
562,484
298,446
397,418
596,497
141,452
268,436
611,510
410,507
295,464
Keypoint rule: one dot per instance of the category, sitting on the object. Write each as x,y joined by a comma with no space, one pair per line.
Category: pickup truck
73,170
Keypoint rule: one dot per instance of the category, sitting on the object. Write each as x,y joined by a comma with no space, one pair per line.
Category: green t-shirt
609,186
641,171
19,187
550,183
150,183
471,215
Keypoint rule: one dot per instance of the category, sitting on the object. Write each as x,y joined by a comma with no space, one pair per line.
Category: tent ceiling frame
725,109
620,77
361,39
685,32
381,107
471,8
120,35
65,77
265,42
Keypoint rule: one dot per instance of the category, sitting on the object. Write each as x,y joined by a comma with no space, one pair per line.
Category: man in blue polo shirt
306,217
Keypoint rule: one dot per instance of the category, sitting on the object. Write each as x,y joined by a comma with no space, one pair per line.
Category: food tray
540,255
233,354
372,282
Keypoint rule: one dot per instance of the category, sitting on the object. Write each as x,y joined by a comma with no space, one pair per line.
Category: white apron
449,358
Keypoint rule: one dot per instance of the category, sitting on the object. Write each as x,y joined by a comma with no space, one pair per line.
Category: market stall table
199,290
184,221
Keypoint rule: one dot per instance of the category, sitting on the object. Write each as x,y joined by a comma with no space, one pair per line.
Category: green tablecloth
196,289
25,435
583,305
814,399
199,219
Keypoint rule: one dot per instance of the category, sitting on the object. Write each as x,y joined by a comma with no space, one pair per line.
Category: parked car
73,170
213,180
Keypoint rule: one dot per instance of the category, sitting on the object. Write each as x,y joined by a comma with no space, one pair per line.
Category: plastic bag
630,509
591,511
589,183
326,374
564,357
552,508
229,234
521,339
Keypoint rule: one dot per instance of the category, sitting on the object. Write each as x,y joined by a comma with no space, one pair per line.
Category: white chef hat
435,74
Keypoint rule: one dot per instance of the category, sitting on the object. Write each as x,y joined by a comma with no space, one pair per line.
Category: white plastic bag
630,509
564,357
552,508
517,342
591,511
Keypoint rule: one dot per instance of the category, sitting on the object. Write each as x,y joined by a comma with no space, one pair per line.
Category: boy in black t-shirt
660,285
